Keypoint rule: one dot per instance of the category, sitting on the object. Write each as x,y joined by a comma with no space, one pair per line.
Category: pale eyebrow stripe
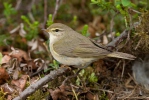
56,28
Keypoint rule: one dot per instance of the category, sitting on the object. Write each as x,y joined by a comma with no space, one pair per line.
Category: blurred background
24,50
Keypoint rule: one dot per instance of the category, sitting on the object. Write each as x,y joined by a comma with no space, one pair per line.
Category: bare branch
58,2
119,39
32,88
45,12
18,4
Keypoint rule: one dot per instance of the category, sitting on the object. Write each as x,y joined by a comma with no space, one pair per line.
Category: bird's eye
56,30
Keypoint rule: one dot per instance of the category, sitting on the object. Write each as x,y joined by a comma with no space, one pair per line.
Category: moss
141,36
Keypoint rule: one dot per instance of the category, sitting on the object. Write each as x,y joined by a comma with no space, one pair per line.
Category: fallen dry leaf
3,75
99,66
21,30
9,97
91,96
5,59
60,93
7,89
20,83
19,54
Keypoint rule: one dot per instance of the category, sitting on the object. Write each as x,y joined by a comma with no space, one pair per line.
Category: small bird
71,48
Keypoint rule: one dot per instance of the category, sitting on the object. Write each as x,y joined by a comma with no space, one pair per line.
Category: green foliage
38,95
87,74
2,94
2,38
117,34
93,78
102,3
49,21
104,97
120,6
75,20
62,15
116,5
126,3
8,11
123,5
82,73
121,11
85,30
55,64
31,28
144,4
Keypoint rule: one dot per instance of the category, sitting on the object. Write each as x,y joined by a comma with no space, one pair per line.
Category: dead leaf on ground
91,96
99,66
38,63
21,30
7,88
36,44
60,93
20,83
5,59
9,97
3,75
13,67
19,54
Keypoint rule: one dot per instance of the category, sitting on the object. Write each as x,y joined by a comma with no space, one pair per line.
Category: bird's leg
80,68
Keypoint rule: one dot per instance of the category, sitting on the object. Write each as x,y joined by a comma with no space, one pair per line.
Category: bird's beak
45,30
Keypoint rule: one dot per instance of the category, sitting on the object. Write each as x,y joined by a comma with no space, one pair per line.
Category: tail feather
121,55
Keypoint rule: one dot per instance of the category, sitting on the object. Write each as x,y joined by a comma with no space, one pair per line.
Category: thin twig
134,10
29,7
58,2
123,69
134,98
76,96
45,12
17,7
112,25
103,90
117,40
32,88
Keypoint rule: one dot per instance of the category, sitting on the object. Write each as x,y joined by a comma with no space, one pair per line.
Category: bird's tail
121,55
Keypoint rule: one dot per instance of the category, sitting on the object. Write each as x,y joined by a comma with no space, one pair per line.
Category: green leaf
31,28
84,30
143,2
95,1
49,21
117,2
117,34
8,11
78,81
2,38
25,19
93,78
82,72
55,64
126,3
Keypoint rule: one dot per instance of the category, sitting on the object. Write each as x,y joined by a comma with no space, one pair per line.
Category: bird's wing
79,48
